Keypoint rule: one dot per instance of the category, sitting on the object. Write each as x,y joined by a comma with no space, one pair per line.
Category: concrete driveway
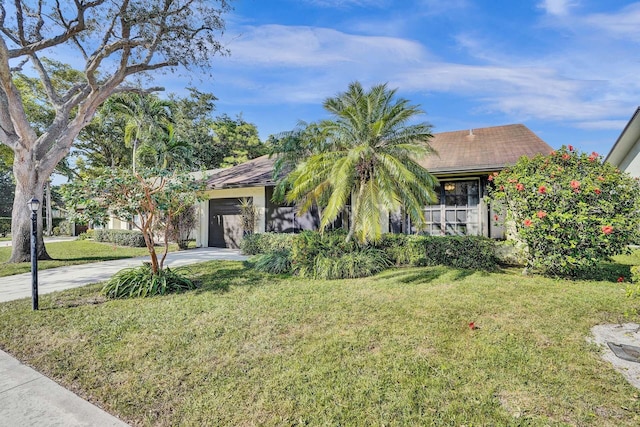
57,279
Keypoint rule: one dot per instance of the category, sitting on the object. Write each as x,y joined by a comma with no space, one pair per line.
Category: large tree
116,40
365,155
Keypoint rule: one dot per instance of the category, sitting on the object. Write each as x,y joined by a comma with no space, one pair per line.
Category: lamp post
34,205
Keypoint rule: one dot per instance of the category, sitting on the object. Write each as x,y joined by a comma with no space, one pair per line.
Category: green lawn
395,349
73,252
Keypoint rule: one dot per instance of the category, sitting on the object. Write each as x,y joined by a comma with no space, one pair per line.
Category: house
462,164
625,152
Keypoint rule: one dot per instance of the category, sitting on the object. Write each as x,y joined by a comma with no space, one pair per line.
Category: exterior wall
631,162
259,201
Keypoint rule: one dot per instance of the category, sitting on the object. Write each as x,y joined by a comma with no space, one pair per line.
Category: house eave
630,134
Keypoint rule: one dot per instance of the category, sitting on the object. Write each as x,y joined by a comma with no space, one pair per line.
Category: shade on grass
394,349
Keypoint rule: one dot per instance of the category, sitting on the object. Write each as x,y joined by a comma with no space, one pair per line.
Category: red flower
570,147
620,279
566,156
553,153
593,157
496,217
502,188
607,229
575,184
528,222
601,178
490,178
542,189
541,214
472,326
519,186
512,181
597,191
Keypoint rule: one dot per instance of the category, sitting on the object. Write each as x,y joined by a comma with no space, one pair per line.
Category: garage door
225,223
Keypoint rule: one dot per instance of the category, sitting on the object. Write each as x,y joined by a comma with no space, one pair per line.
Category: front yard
394,349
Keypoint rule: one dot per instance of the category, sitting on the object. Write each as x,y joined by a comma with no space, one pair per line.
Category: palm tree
145,116
365,153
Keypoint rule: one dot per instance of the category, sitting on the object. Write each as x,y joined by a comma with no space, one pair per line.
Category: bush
276,262
470,252
141,282
89,234
5,226
572,210
262,243
120,237
65,228
361,263
309,245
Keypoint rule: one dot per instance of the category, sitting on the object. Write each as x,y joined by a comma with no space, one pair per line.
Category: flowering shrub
571,209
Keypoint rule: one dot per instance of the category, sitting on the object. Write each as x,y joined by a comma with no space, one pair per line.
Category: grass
248,348
71,253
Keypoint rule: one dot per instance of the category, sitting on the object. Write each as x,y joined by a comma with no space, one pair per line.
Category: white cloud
556,7
348,3
304,65
625,23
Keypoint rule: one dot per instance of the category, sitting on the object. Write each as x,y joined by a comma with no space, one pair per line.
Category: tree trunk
29,183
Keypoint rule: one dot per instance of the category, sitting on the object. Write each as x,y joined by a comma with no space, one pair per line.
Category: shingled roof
254,173
476,150
482,150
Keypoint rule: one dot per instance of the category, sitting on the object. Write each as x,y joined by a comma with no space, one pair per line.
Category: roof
477,150
482,150
625,142
254,173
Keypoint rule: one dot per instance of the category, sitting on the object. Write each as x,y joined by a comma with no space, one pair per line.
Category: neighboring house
462,164
625,154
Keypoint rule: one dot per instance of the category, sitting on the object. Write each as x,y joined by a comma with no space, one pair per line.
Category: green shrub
89,234
5,226
308,245
120,237
141,282
276,262
262,243
571,209
65,228
361,263
469,252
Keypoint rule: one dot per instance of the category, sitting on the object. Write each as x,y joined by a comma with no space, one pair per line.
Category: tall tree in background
235,141
147,119
365,153
116,39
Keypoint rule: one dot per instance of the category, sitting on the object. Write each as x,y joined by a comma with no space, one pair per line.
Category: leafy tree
6,182
571,209
193,122
150,199
234,141
367,154
147,120
116,39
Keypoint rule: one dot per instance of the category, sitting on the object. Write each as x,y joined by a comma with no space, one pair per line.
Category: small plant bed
413,346
72,253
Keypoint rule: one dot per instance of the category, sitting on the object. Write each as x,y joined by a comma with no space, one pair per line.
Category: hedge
5,226
262,243
120,237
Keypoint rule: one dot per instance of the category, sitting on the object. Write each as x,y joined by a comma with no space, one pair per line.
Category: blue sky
568,69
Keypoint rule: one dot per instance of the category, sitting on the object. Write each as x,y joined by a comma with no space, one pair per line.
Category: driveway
74,276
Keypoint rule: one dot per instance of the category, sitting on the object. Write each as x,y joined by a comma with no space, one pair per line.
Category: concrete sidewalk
27,398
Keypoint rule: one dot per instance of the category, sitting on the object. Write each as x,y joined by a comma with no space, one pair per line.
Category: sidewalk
27,398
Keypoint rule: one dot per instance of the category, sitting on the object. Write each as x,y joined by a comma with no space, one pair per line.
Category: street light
34,205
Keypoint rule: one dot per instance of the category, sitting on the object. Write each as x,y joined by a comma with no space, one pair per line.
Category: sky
567,69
